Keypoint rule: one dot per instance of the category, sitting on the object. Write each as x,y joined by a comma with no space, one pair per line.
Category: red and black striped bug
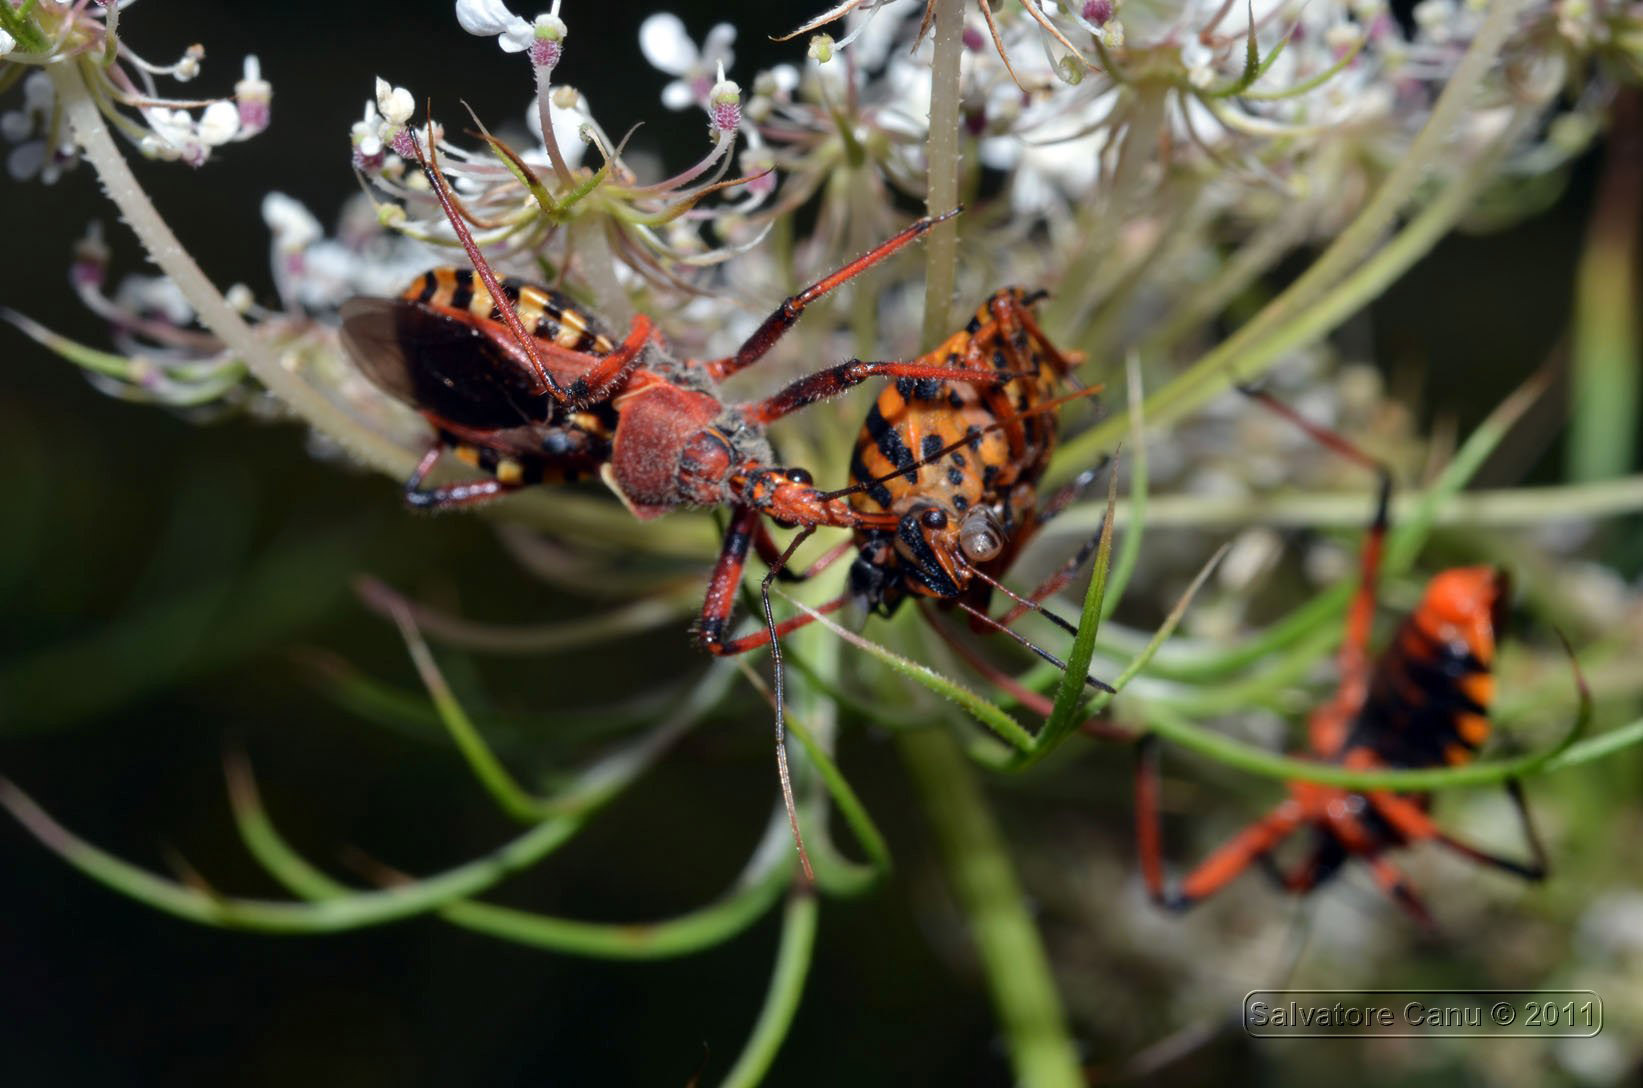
1424,702
524,385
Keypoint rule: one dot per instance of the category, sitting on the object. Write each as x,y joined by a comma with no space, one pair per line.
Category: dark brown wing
444,365
370,333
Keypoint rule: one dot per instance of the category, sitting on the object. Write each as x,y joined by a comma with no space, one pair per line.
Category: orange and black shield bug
1424,702
945,483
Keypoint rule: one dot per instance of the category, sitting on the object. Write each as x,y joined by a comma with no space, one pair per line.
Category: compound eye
980,536
799,476
934,518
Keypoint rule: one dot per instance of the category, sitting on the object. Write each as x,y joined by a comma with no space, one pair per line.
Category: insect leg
1219,869
721,593
824,384
1414,824
783,318
1353,659
451,496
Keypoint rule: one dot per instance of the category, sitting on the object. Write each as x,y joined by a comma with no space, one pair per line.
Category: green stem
1605,379
782,999
1499,508
978,864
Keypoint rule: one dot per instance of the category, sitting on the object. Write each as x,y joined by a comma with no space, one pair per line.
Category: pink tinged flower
492,19
1097,11
90,266
293,226
666,46
366,138
548,39
397,107
724,104
253,95
758,165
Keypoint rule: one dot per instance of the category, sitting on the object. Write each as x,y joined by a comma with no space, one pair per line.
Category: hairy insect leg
1397,888
787,314
726,578
825,384
770,554
451,496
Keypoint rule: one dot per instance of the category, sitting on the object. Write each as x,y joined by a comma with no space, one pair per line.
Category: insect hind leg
451,496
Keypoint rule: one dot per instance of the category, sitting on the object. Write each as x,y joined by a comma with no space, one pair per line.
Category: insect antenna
1033,646
1024,602
482,268
781,695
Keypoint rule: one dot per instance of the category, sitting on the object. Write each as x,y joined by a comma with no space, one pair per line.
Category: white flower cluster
174,130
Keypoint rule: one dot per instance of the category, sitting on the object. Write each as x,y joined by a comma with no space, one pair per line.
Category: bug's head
940,548
1469,605
928,543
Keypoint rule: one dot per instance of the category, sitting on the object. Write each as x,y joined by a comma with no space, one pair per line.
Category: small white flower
172,133
28,158
395,103
156,295
7,43
219,123
293,226
189,67
239,298
253,94
366,138
666,46
492,19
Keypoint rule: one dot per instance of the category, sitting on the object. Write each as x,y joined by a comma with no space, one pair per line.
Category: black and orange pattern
1424,702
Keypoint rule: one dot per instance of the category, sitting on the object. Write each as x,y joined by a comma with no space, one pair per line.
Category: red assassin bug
562,397
1423,703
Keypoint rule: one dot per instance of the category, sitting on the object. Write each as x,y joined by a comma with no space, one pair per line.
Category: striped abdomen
997,468
1428,702
547,314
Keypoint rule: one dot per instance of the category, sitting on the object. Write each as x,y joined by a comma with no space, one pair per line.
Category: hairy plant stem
1511,507
942,152
92,134
978,864
976,860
